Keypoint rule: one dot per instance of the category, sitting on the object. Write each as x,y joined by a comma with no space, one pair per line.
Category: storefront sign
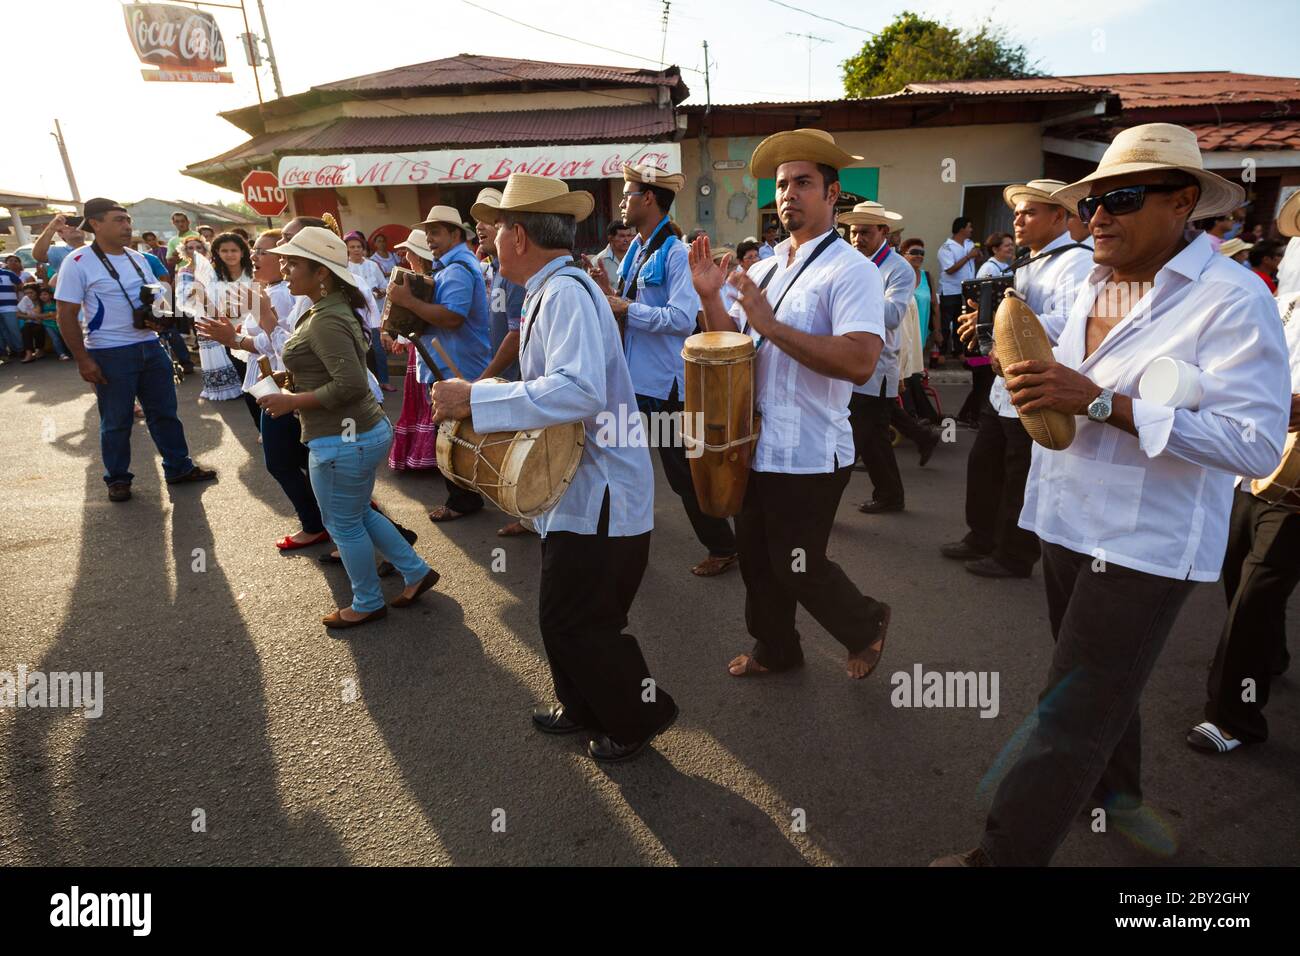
186,44
597,161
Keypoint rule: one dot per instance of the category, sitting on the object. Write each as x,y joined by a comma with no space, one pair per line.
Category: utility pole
270,51
708,99
252,49
663,47
67,163
810,38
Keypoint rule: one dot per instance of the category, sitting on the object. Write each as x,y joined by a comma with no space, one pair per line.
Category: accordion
397,320
987,295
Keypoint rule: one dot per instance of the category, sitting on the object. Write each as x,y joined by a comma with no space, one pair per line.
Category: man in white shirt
872,407
596,540
1135,510
119,353
816,315
958,259
771,236
1260,570
618,237
1049,279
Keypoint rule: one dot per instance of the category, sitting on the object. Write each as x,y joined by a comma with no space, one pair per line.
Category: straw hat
448,216
1036,190
1158,146
869,214
798,145
488,197
418,243
528,193
1234,246
653,176
319,245
1288,217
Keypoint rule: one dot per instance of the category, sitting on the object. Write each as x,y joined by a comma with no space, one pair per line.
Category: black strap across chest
628,290
762,286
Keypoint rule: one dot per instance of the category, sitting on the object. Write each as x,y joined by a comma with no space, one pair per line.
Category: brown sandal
442,514
714,565
871,654
752,668
337,621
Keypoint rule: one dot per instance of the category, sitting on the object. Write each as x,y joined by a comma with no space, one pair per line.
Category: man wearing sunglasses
1136,509
1049,279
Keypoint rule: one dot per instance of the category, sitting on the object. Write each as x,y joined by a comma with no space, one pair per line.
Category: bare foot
745,664
306,537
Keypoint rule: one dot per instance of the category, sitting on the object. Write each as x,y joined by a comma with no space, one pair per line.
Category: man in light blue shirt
657,305
596,539
459,318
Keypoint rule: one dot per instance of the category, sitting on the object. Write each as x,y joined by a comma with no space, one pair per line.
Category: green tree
915,50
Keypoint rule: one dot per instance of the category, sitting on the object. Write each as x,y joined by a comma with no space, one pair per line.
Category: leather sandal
714,565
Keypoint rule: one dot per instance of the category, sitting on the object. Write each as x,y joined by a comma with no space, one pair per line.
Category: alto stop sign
263,194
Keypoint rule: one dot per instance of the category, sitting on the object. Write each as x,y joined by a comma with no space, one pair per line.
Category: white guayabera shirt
900,288
805,428
573,369
1050,286
1160,502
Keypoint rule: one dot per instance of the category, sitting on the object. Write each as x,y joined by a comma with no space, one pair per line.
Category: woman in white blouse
1002,252
373,285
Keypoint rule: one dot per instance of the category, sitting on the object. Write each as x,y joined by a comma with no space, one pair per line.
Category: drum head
539,466
717,346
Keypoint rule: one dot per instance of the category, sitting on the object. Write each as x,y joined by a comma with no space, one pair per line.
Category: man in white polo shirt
815,310
958,259
107,285
1135,510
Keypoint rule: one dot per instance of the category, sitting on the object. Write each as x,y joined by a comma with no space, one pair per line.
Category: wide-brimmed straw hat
319,245
653,176
418,243
448,216
869,214
1235,246
1156,147
488,197
1288,217
798,145
525,192
1036,190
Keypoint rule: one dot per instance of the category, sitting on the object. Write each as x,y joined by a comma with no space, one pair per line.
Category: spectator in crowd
373,285
242,233
771,236
49,320
746,256
1001,248
383,257
415,437
10,284
619,237
67,228
927,307
29,314
176,244
1217,229
1264,258
957,262
1257,232
208,234
15,265
1235,249
230,299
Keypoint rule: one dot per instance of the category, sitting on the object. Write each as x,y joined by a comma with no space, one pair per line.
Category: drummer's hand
707,275
966,323
618,305
758,311
1036,385
1295,414
450,400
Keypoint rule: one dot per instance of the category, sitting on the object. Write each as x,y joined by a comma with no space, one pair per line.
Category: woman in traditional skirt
194,278
415,437
230,299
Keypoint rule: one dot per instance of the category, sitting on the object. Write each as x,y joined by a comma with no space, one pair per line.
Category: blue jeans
142,371
56,339
381,357
180,351
286,461
343,477
10,331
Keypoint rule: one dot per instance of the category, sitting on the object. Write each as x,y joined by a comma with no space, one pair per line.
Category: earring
323,291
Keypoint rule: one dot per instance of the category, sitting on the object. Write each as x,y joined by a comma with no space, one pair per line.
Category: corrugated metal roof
470,69
1136,90
1016,87
641,123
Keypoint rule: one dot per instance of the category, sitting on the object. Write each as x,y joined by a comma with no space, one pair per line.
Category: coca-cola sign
178,39
594,161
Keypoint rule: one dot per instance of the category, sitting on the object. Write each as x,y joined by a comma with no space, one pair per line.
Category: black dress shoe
927,449
874,507
119,491
551,719
960,551
605,749
991,567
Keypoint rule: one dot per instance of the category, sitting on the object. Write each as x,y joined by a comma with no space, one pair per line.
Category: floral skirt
415,437
221,380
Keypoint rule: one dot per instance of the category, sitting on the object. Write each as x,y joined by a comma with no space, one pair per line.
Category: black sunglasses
1122,201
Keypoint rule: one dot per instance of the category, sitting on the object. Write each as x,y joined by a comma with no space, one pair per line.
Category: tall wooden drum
719,425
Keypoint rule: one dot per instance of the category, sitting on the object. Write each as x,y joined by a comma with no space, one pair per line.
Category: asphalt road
235,730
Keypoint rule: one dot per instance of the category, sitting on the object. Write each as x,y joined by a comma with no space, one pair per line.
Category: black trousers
870,417
950,307
995,491
1109,625
588,584
1260,570
462,499
916,402
981,381
714,533
33,334
782,531
249,401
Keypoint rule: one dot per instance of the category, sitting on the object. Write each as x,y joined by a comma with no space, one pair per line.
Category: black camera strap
762,286
108,266
1027,259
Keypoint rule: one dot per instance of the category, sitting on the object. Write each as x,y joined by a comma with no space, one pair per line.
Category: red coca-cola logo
333,174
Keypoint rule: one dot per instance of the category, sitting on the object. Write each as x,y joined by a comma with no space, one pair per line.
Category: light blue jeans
343,478
10,330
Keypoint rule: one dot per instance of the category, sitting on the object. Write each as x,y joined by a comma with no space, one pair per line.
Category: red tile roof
1272,134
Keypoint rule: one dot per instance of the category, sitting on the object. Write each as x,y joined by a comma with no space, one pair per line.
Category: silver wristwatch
1100,408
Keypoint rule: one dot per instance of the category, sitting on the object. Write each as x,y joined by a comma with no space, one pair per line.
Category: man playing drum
596,540
815,310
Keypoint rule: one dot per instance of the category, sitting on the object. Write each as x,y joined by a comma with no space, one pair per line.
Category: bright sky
129,138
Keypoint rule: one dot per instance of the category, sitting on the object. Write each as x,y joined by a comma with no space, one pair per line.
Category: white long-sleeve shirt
900,286
573,369
1050,286
1159,502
